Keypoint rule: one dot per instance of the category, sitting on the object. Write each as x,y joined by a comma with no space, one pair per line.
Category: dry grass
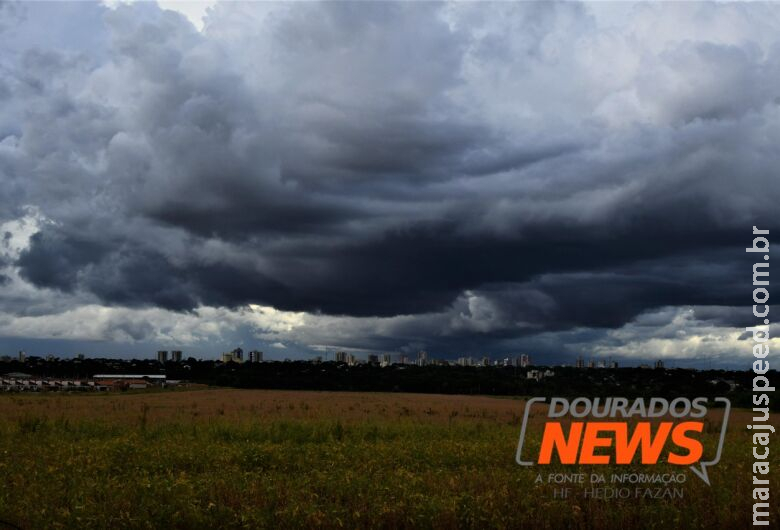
207,404
214,458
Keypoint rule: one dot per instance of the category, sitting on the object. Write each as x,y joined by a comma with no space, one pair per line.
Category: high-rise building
613,364
351,359
341,356
580,362
486,361
591,364
524,361
232,357
255,356
403,359
162,356
373,359
176,356
659,363
386,359
238,355
22,356
422,358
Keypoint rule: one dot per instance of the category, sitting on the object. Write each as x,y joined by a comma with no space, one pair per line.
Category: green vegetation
430,466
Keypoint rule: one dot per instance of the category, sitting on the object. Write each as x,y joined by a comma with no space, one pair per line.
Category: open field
220,458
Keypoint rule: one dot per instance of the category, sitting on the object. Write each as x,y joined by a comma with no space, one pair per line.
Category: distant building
539,374
18,375
162,356
80,356
238,355
580,362
158,377
403,359
351,359
231,357
341,356
507,361
524,361
256,356
613,364
601,364
465,361
22,356
373,359
422,358
486,361
176,356
659,363
386,359
119,381
730,382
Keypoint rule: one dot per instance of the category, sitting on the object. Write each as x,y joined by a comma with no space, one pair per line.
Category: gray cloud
384,159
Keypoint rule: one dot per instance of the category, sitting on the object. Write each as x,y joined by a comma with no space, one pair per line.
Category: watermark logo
629,435
761,426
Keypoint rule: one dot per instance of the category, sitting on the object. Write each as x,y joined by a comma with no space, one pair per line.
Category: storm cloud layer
457,173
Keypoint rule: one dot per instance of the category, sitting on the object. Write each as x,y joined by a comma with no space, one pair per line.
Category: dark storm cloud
738,317
384,159
53,261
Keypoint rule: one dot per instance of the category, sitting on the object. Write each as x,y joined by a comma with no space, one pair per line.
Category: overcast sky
469,179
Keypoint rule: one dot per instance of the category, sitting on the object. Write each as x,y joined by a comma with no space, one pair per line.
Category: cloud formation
458,174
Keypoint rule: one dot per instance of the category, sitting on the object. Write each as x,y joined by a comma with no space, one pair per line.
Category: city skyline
384,358
421,358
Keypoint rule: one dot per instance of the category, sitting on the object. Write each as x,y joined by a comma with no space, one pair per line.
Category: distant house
539,374
722,382
18,375
159,378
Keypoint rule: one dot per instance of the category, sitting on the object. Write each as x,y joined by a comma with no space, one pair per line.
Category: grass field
220,458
